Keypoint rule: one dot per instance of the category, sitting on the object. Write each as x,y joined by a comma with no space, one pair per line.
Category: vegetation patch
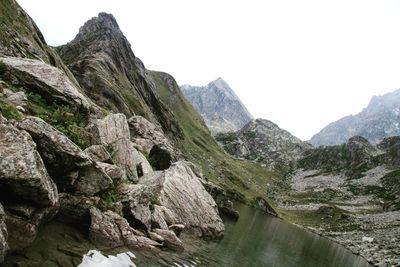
63,118
9,111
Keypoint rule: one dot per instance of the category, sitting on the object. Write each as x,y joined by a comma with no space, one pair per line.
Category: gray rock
264,141
116,173
176,228
110,230
92,179
50,81
60,154
129,159
22,172
170,239
75,209
98,153
183,194
161,217
225,205
220,107
108,130
136,200
156,237
3,235
23,221
145,135
265,206
18,99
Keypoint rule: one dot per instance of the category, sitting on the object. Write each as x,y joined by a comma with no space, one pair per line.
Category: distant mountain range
219,106
380,119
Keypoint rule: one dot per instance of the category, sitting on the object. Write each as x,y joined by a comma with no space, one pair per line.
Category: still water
257,239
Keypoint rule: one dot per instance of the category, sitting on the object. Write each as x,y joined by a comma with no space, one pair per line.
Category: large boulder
92,179
225,205
68,165
75,209
183,194
51,82
23,175
23,221
109,129
136,200
98,153
110,230
18,99
3,235
146,135
170,239
129,159
162,217
60,154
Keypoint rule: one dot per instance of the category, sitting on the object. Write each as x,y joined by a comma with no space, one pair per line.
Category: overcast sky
301,64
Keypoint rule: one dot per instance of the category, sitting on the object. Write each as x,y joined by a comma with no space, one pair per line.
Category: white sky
301,64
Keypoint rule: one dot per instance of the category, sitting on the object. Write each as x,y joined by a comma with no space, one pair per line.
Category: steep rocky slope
102,60
220,107
263,141
378,120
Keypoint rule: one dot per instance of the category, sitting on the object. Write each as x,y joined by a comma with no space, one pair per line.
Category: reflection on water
257,239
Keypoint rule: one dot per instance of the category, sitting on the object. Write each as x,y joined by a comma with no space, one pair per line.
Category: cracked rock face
22,171
182,193
50,81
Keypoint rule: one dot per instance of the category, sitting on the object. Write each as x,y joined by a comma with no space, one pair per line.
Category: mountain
92,139
262,140
220,107
380,119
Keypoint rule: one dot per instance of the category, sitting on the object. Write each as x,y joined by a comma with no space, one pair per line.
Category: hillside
263,141
378,120
220,107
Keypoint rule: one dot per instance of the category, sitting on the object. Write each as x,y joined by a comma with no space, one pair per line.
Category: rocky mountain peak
103,23
220,107
380,119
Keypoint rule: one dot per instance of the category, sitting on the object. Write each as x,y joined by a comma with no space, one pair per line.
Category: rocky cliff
101,59
263,141
220,107
378,120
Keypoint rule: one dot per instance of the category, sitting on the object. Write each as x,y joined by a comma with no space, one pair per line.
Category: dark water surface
256,239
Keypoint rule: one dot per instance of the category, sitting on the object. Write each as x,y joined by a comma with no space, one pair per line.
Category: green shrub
9,111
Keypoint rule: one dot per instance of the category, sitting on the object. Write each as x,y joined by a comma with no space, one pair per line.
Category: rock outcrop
22,172
52,83
220,107
69,166
113,132
27,192
264,141
182,192
110,230
378,120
